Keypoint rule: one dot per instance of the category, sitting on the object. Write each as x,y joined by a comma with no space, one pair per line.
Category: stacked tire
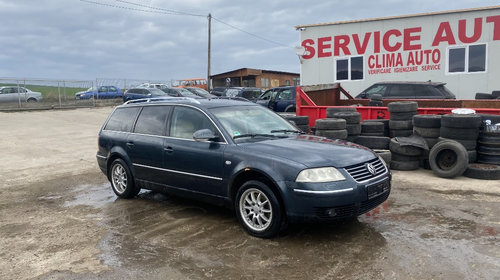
463,128
376,100
302,122
331,128
401,115
368,129
488,148
353,123
404,157
428,127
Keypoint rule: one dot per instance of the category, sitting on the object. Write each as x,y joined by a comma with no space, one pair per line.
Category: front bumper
346,200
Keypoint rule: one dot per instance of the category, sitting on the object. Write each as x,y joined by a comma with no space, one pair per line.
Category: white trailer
460,48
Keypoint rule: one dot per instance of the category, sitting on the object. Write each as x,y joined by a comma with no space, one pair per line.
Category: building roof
399,17
253,71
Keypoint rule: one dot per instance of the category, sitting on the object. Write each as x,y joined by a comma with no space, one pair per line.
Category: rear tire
258,209
122,181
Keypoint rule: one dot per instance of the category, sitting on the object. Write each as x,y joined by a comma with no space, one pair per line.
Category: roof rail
162,99
230,98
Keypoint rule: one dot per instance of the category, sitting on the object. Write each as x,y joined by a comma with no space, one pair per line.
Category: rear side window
152,120
122,119
406,91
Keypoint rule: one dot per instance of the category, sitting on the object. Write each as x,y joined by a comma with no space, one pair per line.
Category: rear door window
152,120
402,91
122,119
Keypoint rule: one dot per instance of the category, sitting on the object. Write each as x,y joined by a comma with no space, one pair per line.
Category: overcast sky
75,39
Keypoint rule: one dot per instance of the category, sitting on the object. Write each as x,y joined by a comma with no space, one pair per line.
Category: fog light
331,212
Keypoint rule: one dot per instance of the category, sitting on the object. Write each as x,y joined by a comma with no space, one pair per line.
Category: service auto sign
401,50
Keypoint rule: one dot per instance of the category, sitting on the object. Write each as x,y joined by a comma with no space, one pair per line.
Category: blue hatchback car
241,155
103,92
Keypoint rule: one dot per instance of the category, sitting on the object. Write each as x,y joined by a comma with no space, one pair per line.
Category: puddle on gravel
95,196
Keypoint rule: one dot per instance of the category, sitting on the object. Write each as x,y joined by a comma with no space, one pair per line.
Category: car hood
313,151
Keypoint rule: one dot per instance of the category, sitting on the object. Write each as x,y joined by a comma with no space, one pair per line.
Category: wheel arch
258,175
116,154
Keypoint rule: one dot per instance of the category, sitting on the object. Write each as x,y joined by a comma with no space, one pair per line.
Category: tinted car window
407,91
445,91
152,120
421,90
376,89
122,119
185,121
250,94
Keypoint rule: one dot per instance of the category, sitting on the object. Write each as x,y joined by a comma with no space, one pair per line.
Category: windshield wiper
254,135
286,130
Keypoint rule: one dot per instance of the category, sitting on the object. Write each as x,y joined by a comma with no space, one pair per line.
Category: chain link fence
24,93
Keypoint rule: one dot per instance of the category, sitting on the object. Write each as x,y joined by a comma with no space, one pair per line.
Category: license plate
377,189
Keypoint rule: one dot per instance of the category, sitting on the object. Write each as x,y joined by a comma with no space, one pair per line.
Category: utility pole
209,84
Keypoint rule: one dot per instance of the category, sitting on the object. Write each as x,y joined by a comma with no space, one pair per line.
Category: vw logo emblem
371,168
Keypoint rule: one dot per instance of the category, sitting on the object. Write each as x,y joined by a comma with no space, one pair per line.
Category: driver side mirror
362,95
204,135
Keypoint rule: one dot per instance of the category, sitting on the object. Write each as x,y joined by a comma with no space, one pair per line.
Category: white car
15,93
150,85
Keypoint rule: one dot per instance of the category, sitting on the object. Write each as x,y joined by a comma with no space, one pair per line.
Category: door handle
168,149
130,144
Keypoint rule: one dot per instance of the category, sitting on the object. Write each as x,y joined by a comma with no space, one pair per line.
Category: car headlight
319,175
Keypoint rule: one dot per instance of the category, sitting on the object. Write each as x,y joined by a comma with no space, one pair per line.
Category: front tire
258,209
122,181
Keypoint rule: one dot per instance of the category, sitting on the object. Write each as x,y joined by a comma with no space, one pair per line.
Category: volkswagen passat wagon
240,155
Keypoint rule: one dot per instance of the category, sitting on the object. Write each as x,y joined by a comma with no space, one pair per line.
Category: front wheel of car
258,209
122,180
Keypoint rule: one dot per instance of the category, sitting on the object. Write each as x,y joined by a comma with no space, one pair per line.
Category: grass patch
52,92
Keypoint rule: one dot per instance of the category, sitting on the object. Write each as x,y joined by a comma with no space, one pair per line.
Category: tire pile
488,148
463,129
302,122
401,115
331,128
493,95
340,123
376,100
428,127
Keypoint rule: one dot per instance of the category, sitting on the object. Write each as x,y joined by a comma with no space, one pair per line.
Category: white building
460,48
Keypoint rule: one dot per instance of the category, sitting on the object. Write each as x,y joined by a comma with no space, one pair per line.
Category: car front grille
365,171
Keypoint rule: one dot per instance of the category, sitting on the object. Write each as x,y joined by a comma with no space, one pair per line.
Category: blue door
192,165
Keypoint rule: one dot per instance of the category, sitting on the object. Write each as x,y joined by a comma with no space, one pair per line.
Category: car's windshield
251,121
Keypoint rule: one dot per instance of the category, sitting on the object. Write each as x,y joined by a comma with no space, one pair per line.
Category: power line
251,34
160,9
133,9
151,9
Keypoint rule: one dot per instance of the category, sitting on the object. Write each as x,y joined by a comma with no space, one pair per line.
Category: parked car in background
103,92
15,93
218,91
279,99
152,85
408,90
142,92
180,92
200,92
241,155
250,93
198,82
